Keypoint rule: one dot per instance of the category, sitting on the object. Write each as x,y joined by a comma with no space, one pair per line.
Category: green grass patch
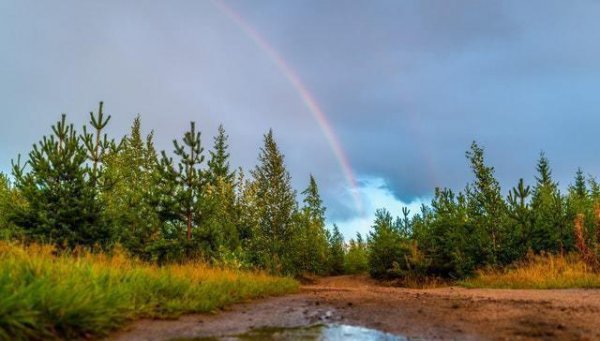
539,272
43,296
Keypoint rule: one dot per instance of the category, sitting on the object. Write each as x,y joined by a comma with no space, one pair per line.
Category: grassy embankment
547,272
44,296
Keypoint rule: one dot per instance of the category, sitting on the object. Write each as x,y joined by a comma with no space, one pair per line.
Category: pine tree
521,220
186,178
388,251
218,165
579,188
276,206
312,238
487,208
581,206
97,143
10,201
336,254
219,197
60,192
549,232
245,208
356,261
130,198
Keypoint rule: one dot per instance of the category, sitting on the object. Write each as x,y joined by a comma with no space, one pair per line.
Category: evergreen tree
443,232
388,251
276,206
581,207
187,176
579,188
336,252
131,197
10,201
312,239
219,196
245,209
356,261
487,209
218,165
521,221
97,143
60,192
549,231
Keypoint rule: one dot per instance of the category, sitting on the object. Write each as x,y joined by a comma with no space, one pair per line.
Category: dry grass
43,296
539,272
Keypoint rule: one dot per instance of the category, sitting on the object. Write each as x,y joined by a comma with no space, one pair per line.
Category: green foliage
275,228
130,202
356,260
336,252
181,187
218,197
487,209
312,243
444,233
47,297
62,204
86,190
389,251
10,200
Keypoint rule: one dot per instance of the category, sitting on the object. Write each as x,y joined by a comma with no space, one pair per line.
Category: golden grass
44,296
539,272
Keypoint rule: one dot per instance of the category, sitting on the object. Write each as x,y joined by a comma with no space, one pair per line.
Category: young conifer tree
185,178
130,198
487,209
219,197
276,206
337,252
60,191
313,244
550,229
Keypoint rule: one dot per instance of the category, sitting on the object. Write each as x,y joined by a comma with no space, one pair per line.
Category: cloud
375,194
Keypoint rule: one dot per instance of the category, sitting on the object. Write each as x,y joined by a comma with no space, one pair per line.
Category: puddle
322,332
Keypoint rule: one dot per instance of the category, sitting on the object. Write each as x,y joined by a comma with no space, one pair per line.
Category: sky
404,86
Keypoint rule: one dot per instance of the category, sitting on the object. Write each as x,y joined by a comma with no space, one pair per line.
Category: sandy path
438,314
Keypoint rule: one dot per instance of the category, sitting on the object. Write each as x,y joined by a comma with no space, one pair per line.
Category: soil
450,313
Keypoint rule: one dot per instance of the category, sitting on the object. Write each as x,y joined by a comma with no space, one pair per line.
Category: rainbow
308,99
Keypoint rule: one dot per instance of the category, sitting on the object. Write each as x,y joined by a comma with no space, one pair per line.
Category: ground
440,314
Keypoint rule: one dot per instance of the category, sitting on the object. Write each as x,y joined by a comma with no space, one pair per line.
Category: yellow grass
539,272
45,296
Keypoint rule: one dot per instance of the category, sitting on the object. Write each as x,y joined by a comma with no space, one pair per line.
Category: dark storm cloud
407,85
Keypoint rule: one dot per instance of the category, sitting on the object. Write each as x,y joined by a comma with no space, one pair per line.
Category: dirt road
438,314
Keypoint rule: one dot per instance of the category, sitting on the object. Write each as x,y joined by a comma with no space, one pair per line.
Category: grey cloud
407,85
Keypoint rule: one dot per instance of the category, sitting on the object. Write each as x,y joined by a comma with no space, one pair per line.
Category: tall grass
43,296
539,272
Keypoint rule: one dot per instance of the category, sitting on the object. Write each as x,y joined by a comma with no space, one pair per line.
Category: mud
432,314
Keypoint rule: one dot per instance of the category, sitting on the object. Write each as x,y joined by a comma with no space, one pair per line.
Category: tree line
479,227
82,188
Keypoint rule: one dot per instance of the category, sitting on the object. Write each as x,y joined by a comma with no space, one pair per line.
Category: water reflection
324,332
